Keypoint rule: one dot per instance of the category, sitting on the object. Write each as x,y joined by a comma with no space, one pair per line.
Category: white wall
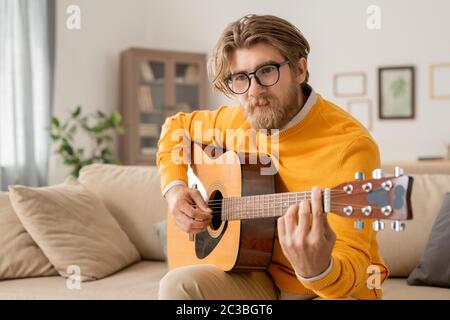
412,32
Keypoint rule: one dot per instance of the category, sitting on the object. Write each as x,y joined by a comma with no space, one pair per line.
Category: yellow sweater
324,149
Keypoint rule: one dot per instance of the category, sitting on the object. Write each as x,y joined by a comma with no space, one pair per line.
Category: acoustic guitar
245,208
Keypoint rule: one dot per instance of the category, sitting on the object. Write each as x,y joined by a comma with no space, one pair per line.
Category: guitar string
279,195
278,199
250,198
336,208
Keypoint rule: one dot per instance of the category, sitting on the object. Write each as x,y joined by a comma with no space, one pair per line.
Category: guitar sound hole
216,209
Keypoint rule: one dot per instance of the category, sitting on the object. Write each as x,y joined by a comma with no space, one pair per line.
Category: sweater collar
310,102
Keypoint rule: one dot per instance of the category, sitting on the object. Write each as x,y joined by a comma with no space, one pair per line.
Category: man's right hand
188,209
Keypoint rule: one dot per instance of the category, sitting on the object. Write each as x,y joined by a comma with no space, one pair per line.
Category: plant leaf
55,122
77,112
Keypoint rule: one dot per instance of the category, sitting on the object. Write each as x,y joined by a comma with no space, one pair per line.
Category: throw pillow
434,265
20,257
73,228
161,231
133,196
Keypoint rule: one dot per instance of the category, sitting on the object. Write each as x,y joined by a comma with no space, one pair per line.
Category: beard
272,115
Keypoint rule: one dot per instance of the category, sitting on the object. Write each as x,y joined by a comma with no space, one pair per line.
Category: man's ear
302,69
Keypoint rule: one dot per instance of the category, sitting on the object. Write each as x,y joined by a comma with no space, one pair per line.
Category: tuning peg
398,171
359,175
386,210
387,185
378,225
367,210
377,173
367,187
359,224
348,188
398,226
348,210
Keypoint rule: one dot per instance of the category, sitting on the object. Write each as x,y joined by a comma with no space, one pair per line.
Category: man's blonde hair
250,30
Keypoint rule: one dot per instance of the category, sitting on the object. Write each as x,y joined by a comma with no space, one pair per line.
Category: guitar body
245,208
235,245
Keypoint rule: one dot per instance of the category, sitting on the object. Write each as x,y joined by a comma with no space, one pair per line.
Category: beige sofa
132,195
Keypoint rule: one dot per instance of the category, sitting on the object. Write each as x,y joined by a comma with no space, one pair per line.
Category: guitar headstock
379,198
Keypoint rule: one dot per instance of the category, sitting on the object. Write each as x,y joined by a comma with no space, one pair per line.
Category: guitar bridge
327,200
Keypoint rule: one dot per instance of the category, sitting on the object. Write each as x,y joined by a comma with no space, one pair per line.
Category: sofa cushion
73,228
402,250
133,196
434,265
161,231
20,257
138,281
398,289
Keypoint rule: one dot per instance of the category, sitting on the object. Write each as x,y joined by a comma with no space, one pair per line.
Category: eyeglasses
266,76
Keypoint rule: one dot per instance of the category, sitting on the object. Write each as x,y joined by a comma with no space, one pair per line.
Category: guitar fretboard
260,206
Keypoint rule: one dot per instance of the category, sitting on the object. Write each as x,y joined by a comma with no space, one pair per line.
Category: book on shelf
148,130
146,71
191,74
149,150
145,99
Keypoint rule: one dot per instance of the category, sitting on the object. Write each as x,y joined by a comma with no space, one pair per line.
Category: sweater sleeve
174,144
352,251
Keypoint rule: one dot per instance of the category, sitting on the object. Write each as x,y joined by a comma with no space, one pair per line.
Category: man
262,60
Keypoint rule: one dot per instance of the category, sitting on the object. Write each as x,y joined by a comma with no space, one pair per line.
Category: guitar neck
383,198
260,206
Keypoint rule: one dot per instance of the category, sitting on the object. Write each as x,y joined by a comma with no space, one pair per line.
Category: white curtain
26,85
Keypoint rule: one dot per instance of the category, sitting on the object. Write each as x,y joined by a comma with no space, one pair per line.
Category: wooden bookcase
156,84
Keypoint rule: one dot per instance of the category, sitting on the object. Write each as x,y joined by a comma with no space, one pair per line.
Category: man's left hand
307,245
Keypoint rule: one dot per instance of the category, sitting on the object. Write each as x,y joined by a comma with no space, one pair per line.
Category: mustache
261,100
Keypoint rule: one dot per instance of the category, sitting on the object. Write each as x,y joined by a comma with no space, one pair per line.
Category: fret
255,207
241,209
223,211
287,202
249,209
261,206
265,205
248,212
290,203
281,204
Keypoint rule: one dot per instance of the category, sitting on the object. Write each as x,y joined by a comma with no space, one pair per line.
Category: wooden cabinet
156,84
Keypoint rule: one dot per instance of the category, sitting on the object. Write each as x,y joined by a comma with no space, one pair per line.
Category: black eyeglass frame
277,65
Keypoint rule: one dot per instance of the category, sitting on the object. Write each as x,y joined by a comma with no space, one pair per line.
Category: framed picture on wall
350,84
439,81
396,92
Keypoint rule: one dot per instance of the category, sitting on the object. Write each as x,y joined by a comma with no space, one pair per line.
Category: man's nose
255,88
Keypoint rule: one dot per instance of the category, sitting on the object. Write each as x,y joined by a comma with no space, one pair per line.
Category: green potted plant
99,127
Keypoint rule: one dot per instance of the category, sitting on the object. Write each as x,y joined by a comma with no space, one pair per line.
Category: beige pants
207,282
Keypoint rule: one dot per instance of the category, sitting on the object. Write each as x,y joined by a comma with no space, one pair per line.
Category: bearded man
262,60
